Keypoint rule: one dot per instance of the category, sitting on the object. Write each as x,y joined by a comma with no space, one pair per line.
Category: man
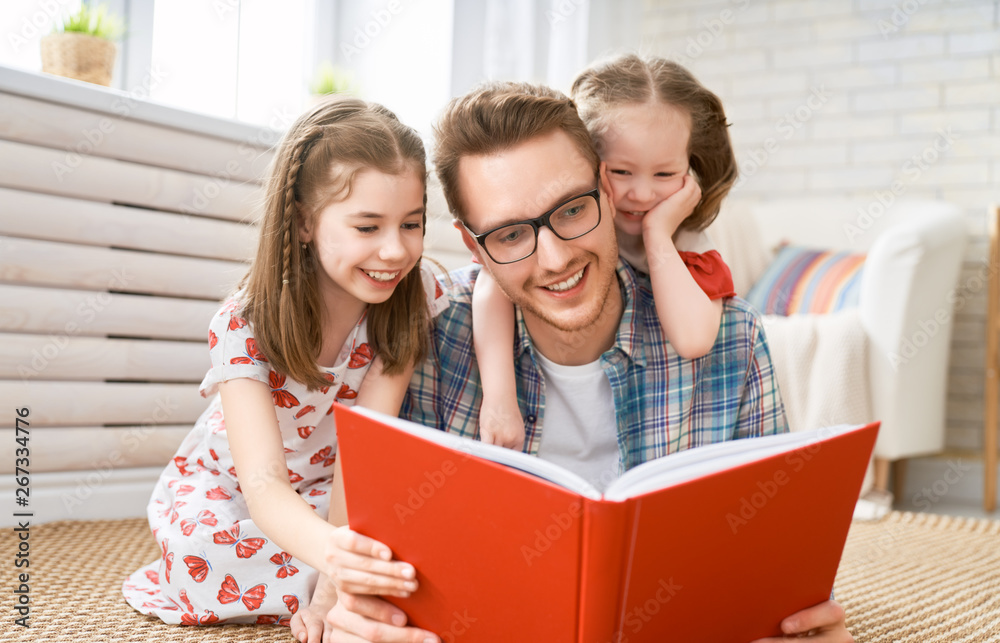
516,154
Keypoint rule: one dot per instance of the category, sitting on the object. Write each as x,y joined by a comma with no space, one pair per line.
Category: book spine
603,549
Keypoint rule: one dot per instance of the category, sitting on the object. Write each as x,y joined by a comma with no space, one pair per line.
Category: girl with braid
334,309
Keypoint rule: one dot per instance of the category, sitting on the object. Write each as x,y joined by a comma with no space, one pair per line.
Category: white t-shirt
580,431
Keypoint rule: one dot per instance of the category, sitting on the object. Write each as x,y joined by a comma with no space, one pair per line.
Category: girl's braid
289,220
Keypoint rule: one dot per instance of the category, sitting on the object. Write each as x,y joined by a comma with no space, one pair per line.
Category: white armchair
907,292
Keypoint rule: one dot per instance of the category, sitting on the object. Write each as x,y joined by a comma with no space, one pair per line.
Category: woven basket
79,56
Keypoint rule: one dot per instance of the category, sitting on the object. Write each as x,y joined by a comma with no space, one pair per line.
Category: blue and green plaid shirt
663,402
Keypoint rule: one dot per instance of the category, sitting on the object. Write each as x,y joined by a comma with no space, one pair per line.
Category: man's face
564,283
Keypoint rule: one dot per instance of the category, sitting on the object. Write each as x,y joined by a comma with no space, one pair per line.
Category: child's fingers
360,582
314,628
351,541
399,573
307,626
695,187
514,441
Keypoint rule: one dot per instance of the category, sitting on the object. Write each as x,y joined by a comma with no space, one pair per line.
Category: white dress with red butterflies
216,566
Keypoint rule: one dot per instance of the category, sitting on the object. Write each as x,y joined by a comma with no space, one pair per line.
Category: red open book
718,543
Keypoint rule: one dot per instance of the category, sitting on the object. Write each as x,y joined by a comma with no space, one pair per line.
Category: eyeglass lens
517,241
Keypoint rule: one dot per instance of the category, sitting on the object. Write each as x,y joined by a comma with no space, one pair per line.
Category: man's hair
496,117
632,80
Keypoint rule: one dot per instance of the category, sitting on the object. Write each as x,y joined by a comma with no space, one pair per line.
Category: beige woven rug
908,577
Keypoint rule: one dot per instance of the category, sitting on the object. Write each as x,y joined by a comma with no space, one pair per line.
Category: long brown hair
495,117
313,166
631,80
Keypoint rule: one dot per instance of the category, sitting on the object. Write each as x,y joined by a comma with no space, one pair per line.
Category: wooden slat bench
122,225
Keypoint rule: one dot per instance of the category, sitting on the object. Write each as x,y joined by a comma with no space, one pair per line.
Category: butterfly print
213,339
317,492
203,467
181,463
305,431
168,564
218,493
329,377
346,393
217,423
291,602
230,593
192,619
309,408
361,356
236,322
152,577
250,354
184,489
198,567
168,559
273,620
245,547
330,410
282,397
189,617
215,456
229,307
284,568
205,517
294,477
188,607
172,510
324,455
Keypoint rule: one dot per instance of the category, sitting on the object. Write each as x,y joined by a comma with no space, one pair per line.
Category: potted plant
83,46
330,79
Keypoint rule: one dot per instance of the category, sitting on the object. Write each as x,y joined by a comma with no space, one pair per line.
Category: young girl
333,309
660,134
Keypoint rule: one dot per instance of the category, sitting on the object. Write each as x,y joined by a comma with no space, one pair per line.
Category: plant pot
79,56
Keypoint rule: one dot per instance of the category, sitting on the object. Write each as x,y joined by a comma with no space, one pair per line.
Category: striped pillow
800,280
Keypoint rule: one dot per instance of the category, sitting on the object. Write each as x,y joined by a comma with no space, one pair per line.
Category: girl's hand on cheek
667,215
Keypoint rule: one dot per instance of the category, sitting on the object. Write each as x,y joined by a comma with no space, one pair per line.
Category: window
253,60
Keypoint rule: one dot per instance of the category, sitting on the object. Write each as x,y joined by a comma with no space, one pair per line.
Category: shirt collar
628,340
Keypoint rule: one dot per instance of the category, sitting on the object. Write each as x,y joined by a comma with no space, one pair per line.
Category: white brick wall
896,73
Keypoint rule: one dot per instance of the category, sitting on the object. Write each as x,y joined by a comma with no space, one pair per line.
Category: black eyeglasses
571,219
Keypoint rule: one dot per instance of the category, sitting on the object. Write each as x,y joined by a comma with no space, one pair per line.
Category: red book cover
718,543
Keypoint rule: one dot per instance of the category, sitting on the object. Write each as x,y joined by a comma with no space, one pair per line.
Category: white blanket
813,357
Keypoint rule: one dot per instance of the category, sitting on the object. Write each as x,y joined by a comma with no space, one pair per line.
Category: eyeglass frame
537,223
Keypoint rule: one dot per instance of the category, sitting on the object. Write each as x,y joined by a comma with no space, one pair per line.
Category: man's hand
824,622
368,618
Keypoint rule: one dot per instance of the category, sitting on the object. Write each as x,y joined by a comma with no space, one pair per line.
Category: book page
700,461
507,457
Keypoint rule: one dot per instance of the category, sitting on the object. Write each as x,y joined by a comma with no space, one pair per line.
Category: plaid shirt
663,402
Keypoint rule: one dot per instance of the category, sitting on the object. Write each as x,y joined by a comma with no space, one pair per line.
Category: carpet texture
907,578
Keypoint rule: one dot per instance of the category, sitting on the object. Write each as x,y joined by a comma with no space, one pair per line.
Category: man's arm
761,410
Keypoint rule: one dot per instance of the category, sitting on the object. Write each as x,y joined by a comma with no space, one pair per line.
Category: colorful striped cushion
808,281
